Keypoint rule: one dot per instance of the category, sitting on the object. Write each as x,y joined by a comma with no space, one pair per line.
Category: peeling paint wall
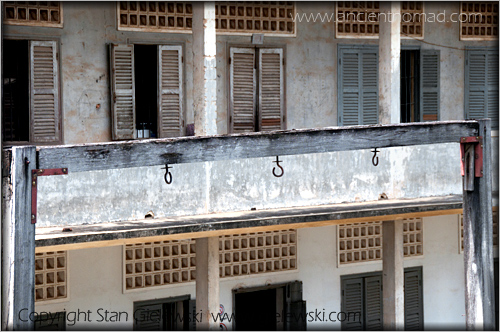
93,286
311,101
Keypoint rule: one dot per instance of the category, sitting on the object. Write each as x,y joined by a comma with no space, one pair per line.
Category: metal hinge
229,60
182,59
35,173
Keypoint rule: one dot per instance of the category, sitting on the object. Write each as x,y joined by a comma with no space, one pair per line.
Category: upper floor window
147,91
155,16
478,20
36,13
271,17
30,101
360,19
256,96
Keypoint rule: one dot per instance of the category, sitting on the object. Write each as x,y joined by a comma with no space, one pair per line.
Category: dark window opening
409,70
256,311
15,91
146,90
51,322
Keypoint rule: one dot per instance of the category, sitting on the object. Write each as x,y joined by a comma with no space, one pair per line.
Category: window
481,85
155,16
358,85
479,20
30,101
51,276
36,13
256,98
360,19
362,294
147,91
172,314
275,18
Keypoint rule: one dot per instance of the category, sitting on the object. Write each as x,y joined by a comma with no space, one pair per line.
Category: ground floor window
171,314
362,293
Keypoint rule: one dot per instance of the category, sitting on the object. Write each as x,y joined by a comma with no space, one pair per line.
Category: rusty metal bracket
471,155
35,173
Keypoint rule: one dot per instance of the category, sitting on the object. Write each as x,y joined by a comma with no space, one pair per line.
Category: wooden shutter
429,84
369,82
481,85
492,87
149,318
358,87
414,314
297,319
122,92
44,92
373,303
242,94
352,303
170,96
271,90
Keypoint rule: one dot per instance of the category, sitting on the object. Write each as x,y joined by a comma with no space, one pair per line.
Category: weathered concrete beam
184,227
91,157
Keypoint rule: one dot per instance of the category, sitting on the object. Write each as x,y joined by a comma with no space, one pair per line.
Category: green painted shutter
481,85
429,84
352,304
414,314
44,92
373,303
170,91
122,91
149,318
358,87
271,94
242,92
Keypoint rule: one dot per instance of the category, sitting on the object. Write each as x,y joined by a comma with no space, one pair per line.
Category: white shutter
122,91
170,91
271,90
242,90
44,92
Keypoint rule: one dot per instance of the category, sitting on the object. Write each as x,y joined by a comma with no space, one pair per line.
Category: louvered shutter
492,87
122,92
192,315
369,77
242,100
44,92
271,90
429,84
358,87
149,318
296,319
352,304
373,303
414,320
475,85
170,91
51,322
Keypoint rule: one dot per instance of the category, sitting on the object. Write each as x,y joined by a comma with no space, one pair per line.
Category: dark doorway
15,91
410,64
170,314
146,90
256,311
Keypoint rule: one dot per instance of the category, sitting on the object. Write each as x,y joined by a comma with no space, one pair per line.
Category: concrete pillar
389,62
207,283
393,275
205,73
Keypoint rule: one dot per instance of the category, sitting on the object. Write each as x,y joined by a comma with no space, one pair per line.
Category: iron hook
375,163
168,175
278,164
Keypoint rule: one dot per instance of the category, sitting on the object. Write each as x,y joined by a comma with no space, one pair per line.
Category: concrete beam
207,283
389,62
205,73
393,275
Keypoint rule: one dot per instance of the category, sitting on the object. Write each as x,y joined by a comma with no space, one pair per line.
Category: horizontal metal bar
101,156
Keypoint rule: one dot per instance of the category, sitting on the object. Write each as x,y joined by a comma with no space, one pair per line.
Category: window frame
228,81
60,117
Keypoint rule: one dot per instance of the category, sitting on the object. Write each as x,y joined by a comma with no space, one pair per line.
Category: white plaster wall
95,279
